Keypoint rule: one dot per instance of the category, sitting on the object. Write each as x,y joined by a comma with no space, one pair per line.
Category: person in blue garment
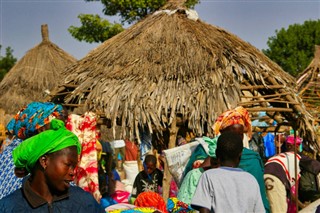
50,157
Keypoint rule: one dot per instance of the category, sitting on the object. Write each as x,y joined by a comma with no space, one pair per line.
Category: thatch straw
39,70
308,85
168,65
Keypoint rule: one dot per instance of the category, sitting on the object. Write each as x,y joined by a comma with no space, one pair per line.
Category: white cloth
118,143
228,189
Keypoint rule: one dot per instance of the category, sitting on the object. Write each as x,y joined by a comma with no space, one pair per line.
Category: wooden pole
167,176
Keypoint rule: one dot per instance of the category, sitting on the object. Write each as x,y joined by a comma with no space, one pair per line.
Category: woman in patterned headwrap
238,121
51,157
29,121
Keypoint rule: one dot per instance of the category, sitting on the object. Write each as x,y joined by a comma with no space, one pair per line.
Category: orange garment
131,151
151,199
239,115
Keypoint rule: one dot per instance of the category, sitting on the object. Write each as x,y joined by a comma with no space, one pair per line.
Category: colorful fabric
24,124
49,141
135,210
151,199
87,172
287,162
239,115
174,205
8,181
198,154
290,140
35,115
189,185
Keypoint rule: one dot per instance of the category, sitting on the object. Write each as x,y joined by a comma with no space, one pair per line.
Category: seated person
150,179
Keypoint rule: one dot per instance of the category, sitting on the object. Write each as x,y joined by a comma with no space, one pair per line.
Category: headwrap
151,199
239,115
290,140
49,141
33,116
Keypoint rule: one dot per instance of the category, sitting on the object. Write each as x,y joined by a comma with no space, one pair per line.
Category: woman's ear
43,160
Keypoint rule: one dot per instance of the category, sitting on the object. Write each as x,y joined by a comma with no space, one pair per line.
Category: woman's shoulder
14,202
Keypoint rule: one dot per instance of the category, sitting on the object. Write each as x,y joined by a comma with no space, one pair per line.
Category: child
150,179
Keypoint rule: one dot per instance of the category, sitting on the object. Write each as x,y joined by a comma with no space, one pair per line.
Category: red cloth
131,151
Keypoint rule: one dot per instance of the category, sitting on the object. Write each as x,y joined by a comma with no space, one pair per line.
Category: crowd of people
40,170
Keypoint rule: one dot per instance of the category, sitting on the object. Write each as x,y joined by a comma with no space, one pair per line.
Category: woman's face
60,169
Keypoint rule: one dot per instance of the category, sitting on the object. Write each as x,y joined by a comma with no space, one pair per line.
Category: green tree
94,29
134,10
6,62
293,48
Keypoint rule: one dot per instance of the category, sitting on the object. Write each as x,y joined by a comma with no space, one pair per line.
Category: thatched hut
34,74
308,85
172,68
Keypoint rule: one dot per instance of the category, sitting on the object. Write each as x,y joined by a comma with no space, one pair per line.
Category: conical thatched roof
39,70
308,85
171,64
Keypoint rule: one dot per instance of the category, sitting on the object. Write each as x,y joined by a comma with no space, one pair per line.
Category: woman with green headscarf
51,158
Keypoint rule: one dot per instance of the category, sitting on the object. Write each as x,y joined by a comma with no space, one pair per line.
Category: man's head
229,148
235,128
150,164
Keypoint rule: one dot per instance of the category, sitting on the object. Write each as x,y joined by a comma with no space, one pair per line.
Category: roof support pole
173,129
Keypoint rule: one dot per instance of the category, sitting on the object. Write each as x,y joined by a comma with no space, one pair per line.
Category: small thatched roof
39,70
171,65
308,85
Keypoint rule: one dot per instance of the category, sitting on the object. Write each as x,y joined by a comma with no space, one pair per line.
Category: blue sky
252,20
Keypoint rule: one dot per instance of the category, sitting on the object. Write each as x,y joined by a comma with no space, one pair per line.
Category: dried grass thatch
169,66
308,85
39,70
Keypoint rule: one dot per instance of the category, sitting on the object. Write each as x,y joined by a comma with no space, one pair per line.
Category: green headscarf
49,141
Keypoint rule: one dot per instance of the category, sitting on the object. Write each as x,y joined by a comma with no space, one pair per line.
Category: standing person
51,158
150,179
280,178
227,188
29,121
238,121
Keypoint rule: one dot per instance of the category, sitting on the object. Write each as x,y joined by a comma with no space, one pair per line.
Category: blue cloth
146,139
78,201
270,148
107,201
8,181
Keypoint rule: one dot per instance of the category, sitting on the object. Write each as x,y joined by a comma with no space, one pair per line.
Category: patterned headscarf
49,141
239,115
32,117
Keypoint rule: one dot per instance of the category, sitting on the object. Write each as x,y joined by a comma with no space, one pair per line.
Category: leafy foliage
94,29
293,48
6,62
134,10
